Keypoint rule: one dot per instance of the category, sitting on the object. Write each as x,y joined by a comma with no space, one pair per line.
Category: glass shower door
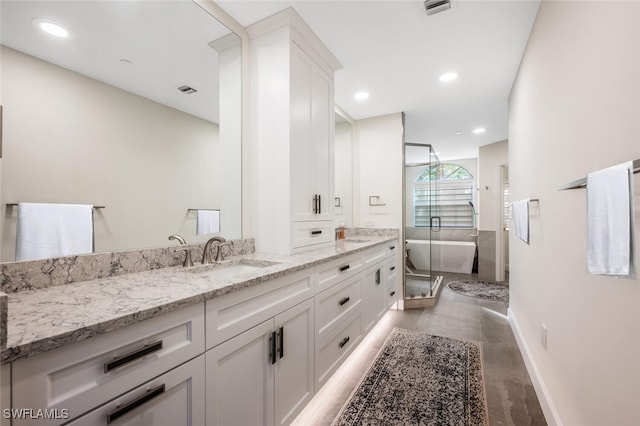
421,220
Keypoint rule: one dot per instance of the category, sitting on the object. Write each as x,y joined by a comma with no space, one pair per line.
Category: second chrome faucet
207,257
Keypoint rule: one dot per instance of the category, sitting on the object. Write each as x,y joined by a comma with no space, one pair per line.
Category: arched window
444,190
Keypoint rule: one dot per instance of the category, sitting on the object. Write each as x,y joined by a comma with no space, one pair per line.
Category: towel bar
582,183
15,204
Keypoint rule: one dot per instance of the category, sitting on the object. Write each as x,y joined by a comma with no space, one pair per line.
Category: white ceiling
166,41
393,50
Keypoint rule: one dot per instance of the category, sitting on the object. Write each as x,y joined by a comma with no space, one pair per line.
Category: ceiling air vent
187,89
435,6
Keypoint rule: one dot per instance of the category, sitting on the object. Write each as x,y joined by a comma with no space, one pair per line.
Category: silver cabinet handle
132,356
151,393
343,342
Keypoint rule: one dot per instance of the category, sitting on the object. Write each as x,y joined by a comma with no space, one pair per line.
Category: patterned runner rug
482,289
420,379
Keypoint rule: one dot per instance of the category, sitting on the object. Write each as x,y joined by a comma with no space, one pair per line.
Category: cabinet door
294,376
373,291
174,398
303,197
240,381
312,132
322,134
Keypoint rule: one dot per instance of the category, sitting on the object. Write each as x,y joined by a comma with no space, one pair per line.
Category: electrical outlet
543,335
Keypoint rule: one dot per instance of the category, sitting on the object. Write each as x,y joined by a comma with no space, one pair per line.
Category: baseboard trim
546,403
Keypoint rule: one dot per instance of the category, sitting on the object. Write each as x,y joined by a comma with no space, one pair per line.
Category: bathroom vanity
248,340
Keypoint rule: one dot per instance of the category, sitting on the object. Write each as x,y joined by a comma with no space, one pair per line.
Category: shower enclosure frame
434,281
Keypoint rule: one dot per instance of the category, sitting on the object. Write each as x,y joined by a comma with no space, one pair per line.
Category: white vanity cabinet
292,139
263,376
260,358
175,398
355,295
85,375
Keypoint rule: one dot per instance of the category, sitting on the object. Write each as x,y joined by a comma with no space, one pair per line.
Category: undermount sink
230,268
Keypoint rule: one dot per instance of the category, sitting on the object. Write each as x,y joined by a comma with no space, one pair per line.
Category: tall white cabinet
292,121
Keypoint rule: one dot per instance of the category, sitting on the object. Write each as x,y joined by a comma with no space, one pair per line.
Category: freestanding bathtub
446,256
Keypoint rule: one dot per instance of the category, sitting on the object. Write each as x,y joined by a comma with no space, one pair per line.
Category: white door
303,198
322,134
294,376
239,377
373,296
174,398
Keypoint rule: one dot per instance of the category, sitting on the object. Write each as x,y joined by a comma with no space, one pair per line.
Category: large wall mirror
138,108
343,151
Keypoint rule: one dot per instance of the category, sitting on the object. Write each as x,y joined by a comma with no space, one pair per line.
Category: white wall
71,139
575,108
378,171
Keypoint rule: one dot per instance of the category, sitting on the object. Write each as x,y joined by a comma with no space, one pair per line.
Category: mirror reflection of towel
521,219
208,222
53,230
610,228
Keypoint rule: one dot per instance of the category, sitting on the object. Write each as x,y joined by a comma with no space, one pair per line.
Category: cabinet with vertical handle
264,375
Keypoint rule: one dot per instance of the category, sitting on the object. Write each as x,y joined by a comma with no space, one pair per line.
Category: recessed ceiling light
51,28
361,96
449,76
479,130
458,132
126,62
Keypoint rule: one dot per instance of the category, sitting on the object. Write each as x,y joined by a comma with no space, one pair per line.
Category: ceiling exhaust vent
187,89
435,6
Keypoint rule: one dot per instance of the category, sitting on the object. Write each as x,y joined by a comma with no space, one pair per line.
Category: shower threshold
419,286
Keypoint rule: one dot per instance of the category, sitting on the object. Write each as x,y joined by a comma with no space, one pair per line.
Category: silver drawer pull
151,393
343,268
343,342
343,301
132,356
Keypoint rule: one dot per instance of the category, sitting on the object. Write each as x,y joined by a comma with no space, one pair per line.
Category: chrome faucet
187,257
206,254
178,238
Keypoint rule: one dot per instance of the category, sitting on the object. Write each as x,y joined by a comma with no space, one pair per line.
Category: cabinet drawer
84,375
334,349
175,398
330,273
333,304
304,234
378,253
392,291
231,314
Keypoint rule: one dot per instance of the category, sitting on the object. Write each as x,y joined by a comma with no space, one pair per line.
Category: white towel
610,230
521,219
208,222
53,230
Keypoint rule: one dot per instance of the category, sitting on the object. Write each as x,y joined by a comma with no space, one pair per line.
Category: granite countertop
45,319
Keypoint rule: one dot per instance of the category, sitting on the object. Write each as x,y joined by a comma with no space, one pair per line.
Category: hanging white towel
53,230
610,229
521,219
208,222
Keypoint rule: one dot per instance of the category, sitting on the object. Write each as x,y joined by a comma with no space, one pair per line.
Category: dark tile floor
511,399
